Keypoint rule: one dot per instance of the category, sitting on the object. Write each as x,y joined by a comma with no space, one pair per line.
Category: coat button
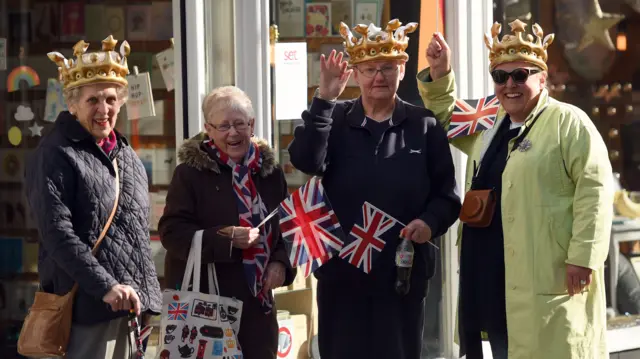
110,231
514,287
510,218
512,252
509,184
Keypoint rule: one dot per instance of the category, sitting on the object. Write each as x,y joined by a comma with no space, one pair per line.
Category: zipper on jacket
384,133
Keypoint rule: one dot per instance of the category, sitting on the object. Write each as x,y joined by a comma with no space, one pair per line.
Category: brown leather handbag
477,208
47,327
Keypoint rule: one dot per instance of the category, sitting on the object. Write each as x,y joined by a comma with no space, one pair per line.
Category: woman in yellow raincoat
533,278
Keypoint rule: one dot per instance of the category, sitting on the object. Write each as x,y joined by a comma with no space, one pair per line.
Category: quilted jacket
70,188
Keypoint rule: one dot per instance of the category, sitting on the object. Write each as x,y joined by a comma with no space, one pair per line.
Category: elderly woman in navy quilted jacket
71,191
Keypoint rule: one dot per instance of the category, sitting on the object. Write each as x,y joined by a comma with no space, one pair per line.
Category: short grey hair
227,98
72,95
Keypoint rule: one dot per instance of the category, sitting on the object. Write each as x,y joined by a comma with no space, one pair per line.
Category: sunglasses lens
499,76
520,75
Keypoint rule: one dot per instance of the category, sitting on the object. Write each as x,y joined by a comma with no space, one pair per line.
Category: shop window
31,98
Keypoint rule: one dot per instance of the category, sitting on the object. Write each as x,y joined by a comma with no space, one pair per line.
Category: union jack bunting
471,116
178,311
366,237
309,227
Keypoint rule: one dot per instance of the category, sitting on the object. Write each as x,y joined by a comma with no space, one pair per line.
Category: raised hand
438,57
333,76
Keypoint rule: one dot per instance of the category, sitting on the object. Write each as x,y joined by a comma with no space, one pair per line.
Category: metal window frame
252,56
470,61
189,60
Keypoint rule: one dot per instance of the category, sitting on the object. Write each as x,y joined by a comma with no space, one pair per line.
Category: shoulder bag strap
108,224
113,210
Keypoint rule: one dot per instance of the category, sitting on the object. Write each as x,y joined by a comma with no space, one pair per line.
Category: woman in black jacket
395,156
71,191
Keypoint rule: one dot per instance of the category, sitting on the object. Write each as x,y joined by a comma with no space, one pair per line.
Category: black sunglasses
518,75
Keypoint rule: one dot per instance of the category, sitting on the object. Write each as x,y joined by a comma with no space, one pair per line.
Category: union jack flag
471,116
309,227
367,240
178,311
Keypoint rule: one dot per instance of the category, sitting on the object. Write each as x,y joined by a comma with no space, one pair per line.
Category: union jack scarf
251,211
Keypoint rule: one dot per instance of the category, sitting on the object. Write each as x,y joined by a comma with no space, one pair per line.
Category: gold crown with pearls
375,43
517,47
106,66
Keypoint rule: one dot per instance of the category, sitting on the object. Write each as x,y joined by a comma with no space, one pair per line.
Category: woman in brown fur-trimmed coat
226,184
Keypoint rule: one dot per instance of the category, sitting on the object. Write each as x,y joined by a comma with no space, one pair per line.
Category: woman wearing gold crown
393,155
531,278
72,190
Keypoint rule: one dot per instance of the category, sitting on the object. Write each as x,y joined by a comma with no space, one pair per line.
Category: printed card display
164,161
3,54
341,11
140,103
138,22
367,12
291,18
166,63
318,20
11,165
55,101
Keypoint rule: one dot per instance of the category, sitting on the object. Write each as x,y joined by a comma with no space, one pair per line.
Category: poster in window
318,19
291,18
341,11
138,22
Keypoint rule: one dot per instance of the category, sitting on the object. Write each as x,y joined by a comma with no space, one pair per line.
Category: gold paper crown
228,332
375,44
95,67
516,47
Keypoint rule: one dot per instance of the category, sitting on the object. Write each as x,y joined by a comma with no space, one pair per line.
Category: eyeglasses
371,72
519,75
240,126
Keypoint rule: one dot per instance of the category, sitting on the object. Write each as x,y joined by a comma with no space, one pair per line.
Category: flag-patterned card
309,227
471,116
368,237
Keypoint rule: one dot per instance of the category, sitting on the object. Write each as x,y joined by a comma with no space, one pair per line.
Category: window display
31,99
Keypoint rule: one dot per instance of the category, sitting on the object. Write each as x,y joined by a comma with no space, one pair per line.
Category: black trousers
357,324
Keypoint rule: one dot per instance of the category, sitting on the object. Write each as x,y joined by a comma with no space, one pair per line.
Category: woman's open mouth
101,122
234,144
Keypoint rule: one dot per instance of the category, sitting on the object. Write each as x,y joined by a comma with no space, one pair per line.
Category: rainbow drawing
22,73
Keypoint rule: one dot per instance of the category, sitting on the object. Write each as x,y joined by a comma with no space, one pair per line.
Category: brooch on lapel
525,145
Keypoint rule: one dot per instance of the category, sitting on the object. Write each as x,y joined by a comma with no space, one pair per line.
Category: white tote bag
198,325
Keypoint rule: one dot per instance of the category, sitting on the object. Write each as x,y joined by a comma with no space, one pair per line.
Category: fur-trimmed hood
192,154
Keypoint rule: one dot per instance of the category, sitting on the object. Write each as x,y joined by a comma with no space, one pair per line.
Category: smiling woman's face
519,99
96,107
231,131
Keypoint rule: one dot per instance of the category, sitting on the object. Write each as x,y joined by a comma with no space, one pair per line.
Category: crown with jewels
94,67
375,43
517,47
